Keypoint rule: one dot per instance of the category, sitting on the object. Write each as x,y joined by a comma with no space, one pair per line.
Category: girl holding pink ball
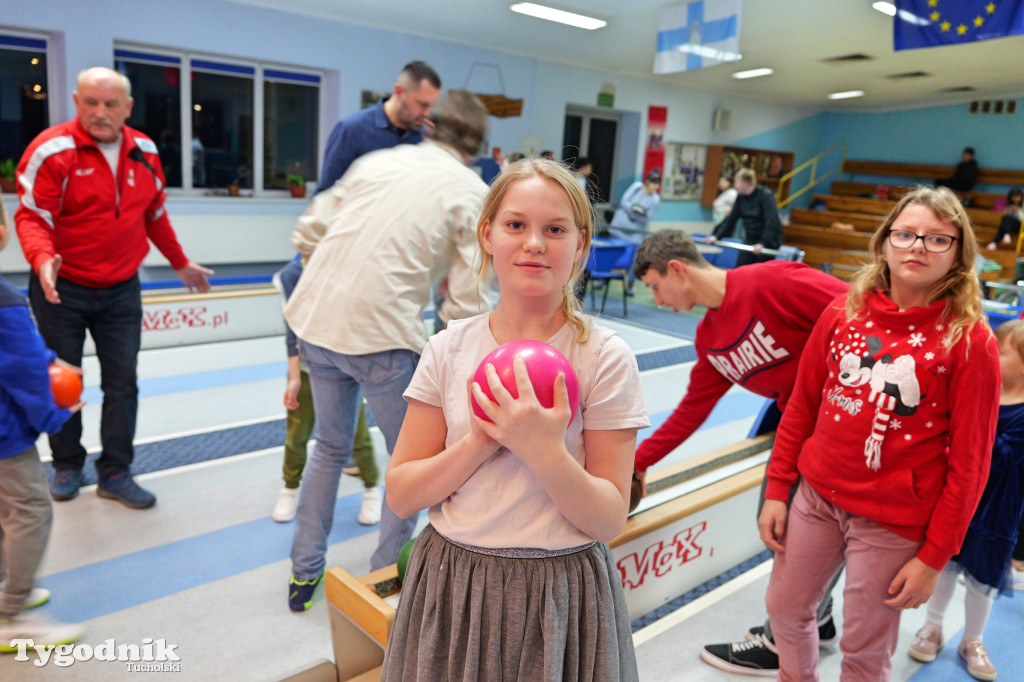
513,578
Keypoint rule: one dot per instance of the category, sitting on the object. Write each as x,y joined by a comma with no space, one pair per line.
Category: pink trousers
819,536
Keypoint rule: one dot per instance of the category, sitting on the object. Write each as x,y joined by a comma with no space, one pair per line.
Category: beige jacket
390,229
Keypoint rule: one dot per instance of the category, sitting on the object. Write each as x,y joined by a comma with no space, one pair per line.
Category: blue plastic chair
602,267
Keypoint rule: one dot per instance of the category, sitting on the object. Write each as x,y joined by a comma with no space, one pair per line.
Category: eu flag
934,23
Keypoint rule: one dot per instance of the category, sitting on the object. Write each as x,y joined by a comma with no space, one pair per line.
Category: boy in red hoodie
756,326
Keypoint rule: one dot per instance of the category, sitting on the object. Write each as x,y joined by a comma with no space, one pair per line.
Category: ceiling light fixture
846,95
909,17
753,73
885,8
560,16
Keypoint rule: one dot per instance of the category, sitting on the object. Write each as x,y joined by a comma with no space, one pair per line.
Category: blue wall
931,135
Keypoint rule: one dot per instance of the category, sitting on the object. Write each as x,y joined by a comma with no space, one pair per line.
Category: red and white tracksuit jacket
72,205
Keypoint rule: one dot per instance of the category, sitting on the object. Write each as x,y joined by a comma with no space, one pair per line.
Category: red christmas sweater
754,339
888,424
71,204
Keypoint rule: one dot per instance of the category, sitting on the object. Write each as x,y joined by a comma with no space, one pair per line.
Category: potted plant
297,185
7,168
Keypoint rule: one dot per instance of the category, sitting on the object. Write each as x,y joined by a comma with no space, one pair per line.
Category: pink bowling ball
543,364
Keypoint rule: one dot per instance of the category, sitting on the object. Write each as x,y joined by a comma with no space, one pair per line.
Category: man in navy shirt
396,119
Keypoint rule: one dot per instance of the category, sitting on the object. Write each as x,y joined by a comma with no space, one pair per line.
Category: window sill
244,196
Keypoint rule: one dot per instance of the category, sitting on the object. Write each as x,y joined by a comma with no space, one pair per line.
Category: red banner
654,158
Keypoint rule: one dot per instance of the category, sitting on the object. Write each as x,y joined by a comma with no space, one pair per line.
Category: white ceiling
791,36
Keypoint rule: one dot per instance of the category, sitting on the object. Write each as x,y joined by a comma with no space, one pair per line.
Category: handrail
815,180
738,246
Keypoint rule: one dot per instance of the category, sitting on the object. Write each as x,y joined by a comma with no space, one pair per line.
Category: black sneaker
757,657
122,487
827,634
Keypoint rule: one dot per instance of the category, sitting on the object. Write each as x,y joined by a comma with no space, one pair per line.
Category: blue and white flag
698,34
935,23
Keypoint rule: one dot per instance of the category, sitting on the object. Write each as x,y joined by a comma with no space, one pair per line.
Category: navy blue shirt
361,133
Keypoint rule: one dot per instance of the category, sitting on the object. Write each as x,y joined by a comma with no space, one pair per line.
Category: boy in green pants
301,419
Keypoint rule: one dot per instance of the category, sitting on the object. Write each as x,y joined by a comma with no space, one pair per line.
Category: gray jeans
26,515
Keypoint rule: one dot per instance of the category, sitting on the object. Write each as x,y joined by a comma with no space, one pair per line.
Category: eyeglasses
934,243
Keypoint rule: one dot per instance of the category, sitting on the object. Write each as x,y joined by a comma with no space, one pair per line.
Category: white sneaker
369,514
1017,579
37,597
41,630
287,504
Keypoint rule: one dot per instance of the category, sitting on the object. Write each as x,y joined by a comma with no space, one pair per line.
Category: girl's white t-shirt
502,504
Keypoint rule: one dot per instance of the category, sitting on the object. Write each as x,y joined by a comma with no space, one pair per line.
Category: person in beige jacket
398,221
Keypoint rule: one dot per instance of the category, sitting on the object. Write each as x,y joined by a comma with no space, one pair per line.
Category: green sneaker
300,593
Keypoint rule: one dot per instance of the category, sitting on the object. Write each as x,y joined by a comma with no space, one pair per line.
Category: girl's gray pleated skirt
469,615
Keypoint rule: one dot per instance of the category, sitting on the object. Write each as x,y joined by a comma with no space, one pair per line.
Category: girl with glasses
890,431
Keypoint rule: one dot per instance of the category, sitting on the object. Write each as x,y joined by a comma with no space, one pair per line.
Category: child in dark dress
985,555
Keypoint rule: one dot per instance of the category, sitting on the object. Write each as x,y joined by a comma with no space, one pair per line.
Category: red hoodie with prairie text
754,339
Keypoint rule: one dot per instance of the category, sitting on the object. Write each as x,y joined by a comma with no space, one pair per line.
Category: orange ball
65,385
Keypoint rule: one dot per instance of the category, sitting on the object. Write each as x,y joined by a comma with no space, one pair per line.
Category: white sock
977,605
939,602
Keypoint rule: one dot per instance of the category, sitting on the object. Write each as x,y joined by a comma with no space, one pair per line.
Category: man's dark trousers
113,316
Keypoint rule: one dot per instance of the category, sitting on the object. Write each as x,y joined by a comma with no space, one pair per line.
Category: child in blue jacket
26,410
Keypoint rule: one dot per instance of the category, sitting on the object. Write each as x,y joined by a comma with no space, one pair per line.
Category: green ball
403,559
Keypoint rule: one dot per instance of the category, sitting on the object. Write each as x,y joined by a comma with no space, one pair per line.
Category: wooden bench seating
843,264
867,189
815,235
855,204
810,216
994,176
980,217
806,236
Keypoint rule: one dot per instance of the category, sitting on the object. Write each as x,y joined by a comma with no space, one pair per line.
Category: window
230,124
290,116
24,92
222,115
156,89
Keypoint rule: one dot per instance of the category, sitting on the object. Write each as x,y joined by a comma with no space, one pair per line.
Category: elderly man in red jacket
92,197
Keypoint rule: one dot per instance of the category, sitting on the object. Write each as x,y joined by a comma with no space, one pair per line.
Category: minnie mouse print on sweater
893,383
